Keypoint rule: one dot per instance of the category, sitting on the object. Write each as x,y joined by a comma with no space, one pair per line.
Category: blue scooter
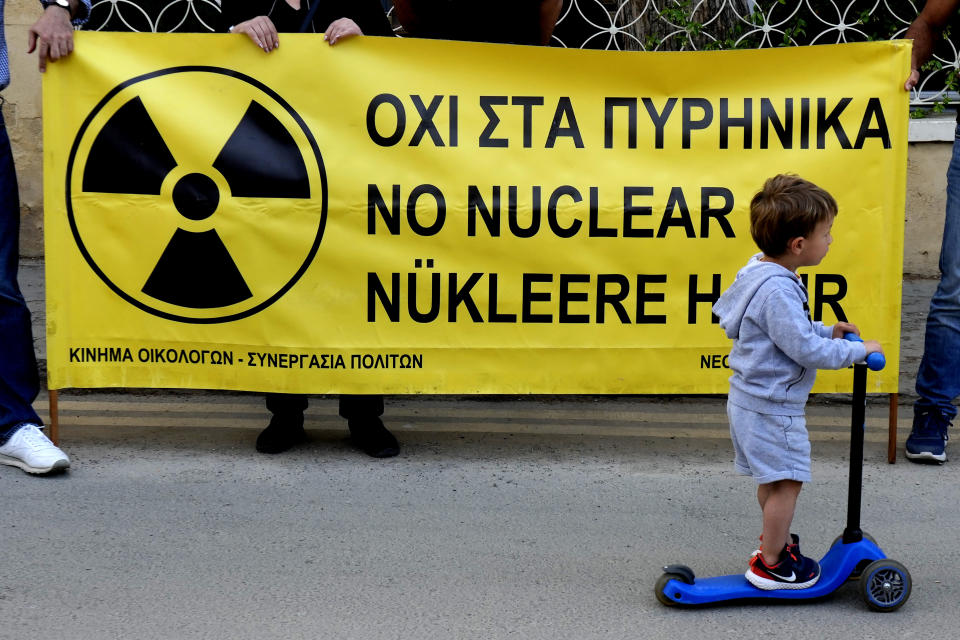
884,584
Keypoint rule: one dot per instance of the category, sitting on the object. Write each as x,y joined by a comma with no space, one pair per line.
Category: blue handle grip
875,360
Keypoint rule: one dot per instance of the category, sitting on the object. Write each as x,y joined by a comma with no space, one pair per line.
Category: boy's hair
787,207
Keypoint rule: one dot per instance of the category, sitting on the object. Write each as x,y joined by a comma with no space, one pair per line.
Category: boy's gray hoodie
777,349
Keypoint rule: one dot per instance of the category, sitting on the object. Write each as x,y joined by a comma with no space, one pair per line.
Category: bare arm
549,13
924,32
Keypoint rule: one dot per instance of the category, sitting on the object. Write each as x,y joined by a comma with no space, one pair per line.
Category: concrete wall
926,171
926,202
21,112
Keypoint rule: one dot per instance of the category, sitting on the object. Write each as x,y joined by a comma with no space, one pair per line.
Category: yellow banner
404,216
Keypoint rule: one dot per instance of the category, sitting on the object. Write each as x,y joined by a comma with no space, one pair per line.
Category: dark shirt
505,21
368,14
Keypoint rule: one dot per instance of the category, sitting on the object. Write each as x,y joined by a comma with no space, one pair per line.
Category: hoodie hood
731,307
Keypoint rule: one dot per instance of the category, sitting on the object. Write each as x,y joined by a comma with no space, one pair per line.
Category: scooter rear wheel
660,588
885,585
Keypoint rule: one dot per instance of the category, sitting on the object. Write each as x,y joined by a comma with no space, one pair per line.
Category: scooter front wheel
885,585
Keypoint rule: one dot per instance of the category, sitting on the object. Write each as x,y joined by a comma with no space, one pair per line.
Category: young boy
776,352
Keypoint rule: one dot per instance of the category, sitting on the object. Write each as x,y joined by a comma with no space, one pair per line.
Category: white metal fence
645,25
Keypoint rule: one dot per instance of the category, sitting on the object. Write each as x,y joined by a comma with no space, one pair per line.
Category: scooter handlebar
875,361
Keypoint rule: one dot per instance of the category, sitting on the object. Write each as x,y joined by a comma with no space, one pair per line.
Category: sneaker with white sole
792,571
33,452
928,439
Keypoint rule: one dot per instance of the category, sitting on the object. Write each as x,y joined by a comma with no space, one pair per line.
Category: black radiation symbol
196,277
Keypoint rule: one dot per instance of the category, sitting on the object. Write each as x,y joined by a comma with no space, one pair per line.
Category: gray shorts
769,448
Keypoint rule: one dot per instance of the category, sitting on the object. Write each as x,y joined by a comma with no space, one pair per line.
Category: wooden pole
892,433
52,397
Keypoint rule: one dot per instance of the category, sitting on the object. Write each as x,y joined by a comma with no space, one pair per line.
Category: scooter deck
835,568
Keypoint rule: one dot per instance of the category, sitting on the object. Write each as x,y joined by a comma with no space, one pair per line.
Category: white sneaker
32,451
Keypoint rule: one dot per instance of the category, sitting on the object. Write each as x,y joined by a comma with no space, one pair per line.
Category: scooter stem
853,532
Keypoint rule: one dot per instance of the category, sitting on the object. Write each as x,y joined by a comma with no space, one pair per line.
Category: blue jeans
19,379
938,380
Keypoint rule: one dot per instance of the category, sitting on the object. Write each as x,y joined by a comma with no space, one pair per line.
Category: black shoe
373,438
281,434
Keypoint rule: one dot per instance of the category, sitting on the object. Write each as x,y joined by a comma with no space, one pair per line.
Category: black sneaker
373,438
792,571
928,439
282,433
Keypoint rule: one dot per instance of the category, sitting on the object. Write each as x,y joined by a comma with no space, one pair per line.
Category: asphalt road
533,519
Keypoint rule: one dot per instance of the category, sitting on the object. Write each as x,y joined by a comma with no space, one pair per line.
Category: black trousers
351,407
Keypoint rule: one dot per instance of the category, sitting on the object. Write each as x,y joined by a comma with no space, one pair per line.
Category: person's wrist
59,4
